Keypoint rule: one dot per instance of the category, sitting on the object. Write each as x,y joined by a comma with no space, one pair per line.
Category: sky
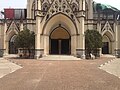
114,3
12,4
22,3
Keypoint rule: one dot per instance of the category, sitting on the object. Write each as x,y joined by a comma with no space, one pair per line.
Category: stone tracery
63,6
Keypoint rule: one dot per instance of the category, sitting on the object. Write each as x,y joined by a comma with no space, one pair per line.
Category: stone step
59,57
107,55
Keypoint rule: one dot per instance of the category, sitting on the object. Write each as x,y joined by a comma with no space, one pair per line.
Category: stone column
38,53
113,47
99,26
0,35
116,40
4,40
81,37
46,45
99,30
90,7
29,6
38,49
73,45
7,47
90,14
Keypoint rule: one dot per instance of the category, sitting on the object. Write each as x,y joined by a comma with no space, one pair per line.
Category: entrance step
108,55
11,56
59,57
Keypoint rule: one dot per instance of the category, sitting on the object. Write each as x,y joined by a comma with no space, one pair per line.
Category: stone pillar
7,47
73,45
99,30
99,26
4,39
90,8
81,37
38,49
90,14
1,34
113,47
46,45
29,6
116,40
2,51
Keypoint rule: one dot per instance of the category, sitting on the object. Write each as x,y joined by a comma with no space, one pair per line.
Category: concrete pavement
60,75
112,67
7,67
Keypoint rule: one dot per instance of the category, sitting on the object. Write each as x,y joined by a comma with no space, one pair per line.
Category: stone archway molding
59,19
65,22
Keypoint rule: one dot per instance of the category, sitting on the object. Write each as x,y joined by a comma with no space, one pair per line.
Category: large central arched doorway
60,41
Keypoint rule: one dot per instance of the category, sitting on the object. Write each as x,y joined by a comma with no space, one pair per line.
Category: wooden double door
105,48
60,46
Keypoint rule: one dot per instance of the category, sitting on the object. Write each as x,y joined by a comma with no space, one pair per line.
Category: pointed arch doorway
107,45
12,47
108,39
60,42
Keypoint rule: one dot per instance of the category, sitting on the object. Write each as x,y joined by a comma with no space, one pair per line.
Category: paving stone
112,67
7,67
60,75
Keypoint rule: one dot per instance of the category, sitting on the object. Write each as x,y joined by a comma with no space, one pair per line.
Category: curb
100,67
16,63
107,62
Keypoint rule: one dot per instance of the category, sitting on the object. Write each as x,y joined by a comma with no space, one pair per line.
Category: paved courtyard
60,75
7,67
112,67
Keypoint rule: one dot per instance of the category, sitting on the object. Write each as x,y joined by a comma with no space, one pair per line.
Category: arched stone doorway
12,47
67,25
106,45
60,42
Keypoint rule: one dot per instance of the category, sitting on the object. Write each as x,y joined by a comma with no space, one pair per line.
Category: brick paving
60,75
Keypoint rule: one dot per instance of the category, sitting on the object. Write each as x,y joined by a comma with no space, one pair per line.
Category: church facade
60,26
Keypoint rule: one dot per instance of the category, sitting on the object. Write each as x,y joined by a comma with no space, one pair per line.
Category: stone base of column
117,53
39,53
80,53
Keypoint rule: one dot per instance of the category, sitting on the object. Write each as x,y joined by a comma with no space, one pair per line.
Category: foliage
93,40
25,39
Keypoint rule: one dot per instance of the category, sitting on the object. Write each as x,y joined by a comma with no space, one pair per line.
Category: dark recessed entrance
60,42
12,47
105,48
60,46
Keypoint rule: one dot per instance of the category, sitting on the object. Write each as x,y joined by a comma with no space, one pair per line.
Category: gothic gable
62,6
13,26
107,27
